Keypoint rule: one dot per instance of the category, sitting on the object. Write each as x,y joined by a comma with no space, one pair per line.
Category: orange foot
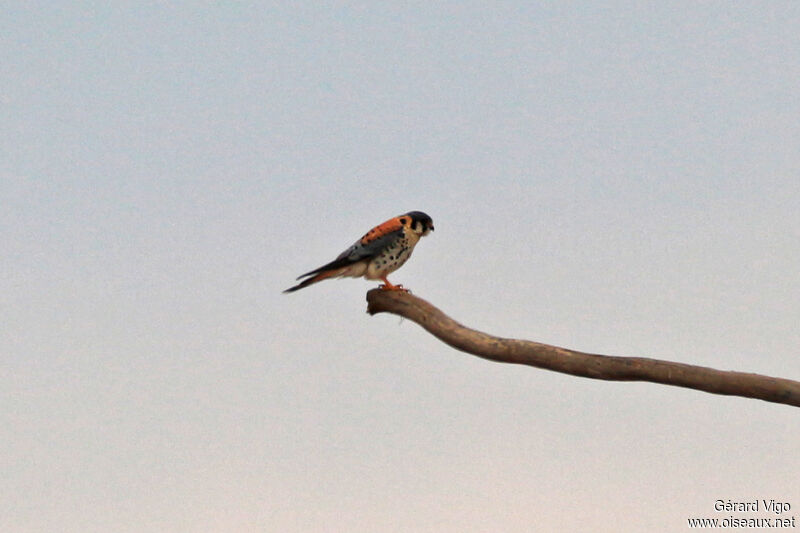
388,286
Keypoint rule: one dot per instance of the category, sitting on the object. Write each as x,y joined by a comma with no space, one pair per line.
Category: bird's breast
392,257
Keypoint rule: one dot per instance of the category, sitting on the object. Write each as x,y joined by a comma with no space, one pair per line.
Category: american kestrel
381,251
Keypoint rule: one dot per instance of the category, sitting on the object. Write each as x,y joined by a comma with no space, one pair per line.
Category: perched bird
381,251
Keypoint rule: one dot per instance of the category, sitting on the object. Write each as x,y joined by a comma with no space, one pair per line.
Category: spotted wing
367,247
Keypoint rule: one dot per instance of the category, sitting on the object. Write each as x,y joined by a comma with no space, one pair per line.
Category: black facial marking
403,221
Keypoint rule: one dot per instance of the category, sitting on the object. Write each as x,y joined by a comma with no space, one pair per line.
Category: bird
381,251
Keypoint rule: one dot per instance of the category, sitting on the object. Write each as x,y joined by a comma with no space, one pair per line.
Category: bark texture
595,366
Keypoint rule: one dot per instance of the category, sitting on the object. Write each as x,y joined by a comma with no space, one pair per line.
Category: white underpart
392,257
356,270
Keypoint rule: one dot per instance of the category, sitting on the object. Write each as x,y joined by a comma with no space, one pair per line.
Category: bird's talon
400,288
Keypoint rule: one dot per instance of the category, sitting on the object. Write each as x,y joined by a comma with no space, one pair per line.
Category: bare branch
606,367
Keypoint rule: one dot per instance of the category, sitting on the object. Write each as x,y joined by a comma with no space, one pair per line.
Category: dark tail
310,281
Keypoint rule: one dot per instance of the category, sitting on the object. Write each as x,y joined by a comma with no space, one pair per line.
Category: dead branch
606,367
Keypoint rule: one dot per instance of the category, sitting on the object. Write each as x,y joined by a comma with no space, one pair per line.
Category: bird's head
420,223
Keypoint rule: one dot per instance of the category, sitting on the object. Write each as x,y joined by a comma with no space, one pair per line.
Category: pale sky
620,178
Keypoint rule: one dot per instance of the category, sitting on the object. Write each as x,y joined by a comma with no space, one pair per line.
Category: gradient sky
620,178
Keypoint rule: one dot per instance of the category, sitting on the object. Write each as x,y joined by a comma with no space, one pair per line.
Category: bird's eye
403,221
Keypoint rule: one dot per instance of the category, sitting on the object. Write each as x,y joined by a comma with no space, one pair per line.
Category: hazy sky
619,178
